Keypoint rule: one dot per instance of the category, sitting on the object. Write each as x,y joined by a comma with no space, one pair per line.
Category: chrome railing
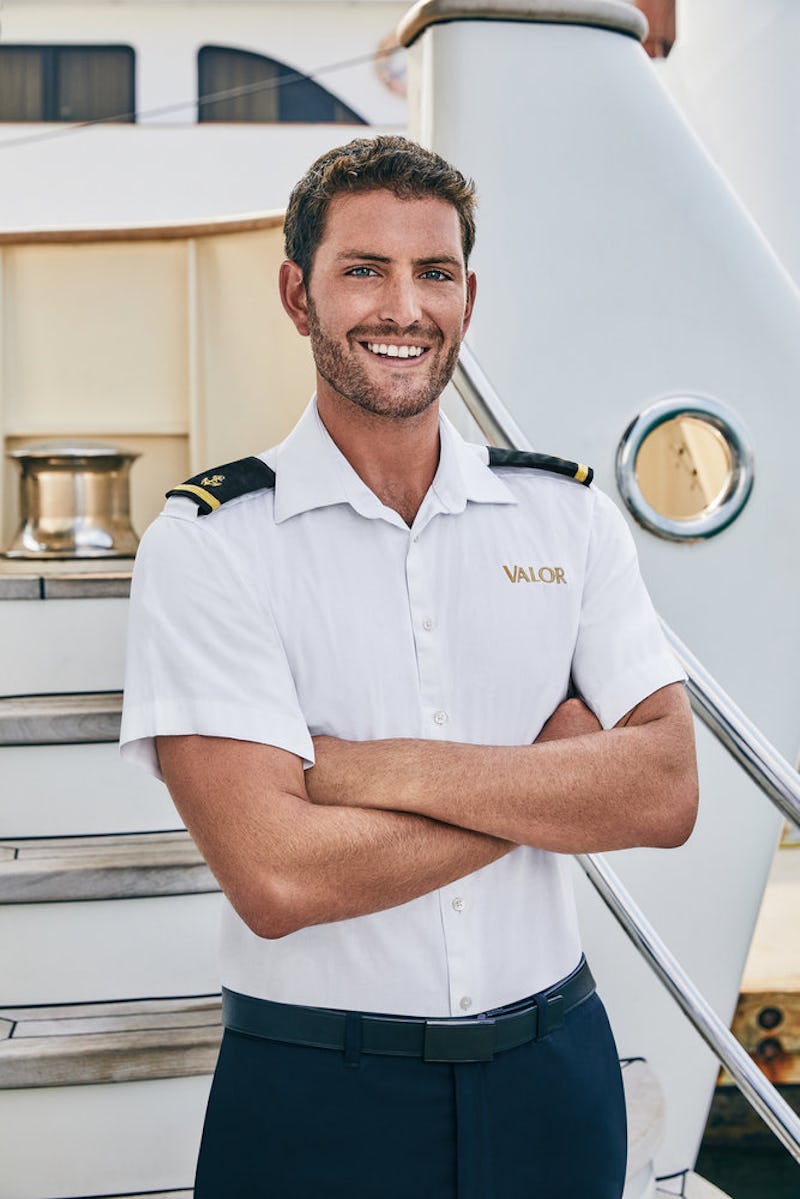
743,740
748,746
746,743
755,1086
484,404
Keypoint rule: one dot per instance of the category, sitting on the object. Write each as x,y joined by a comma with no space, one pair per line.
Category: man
407,1011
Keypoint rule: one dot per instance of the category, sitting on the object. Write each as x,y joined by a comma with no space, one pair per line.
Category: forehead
379,222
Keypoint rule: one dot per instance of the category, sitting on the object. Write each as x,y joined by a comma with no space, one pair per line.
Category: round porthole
685,468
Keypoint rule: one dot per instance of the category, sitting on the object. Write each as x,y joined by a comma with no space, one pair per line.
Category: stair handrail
755,1086
761,760
749,747
743,740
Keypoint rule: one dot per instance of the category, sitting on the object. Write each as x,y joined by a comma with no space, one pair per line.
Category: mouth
394,352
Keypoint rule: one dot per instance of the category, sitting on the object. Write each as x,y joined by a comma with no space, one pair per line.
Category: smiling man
362,715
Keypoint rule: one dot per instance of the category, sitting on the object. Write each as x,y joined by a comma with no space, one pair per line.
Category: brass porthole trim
670,437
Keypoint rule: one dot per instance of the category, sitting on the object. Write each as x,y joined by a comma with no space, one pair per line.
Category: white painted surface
57,646
75,790
104,1139
167,167
615,268
122,175
644,1101
734,72
108,949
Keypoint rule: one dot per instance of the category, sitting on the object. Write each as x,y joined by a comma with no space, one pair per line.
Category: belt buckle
459,1040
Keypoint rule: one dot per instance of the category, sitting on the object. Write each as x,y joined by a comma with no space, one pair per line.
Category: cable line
231,93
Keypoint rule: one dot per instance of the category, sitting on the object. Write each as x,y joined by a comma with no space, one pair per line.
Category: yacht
638,260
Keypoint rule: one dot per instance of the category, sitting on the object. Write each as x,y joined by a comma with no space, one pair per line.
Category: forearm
627,786
555,796
285,863
344,861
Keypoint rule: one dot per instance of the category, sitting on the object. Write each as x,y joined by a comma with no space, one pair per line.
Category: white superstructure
617,268
169,165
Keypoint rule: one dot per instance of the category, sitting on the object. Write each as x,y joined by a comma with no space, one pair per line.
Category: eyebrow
367,256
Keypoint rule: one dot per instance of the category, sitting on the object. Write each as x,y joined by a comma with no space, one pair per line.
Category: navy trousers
543,1121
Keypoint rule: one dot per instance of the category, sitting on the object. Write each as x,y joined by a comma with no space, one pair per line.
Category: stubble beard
399,398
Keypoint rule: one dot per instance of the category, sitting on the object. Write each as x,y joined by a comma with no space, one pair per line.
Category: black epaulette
558,466
215,487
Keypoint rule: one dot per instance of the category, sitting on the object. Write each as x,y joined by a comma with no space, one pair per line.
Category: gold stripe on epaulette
582,473
206,496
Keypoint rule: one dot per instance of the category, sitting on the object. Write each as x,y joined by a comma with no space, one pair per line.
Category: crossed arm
376,824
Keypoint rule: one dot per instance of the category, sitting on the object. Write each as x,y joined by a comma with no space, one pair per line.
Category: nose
400,302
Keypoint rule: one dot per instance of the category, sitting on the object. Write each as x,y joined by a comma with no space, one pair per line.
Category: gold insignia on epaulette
213,480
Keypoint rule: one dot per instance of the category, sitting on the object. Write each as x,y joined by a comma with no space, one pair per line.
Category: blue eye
436,275
361,272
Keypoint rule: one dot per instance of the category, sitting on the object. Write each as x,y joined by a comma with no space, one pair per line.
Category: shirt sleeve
621,654
204,654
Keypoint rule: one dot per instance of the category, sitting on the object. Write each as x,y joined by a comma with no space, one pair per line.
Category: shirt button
427,624
458,904
440,717
465,1003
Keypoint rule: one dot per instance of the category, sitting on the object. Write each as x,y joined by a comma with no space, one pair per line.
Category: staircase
109,1016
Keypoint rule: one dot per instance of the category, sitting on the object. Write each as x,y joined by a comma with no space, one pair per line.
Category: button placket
455,906
436,723
435,716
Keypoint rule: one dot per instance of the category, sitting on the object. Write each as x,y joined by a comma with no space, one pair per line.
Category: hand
570,719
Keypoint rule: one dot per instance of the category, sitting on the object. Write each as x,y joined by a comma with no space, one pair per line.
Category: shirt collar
311,472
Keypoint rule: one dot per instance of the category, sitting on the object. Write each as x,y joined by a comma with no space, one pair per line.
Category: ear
293,295
472,287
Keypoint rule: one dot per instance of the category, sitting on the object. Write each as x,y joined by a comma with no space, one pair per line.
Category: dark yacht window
66,83
271,91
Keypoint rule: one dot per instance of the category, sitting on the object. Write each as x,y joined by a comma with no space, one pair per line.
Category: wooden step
43,579
129,1041
119,866
69,719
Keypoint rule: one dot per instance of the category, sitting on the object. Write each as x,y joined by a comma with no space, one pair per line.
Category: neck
396,457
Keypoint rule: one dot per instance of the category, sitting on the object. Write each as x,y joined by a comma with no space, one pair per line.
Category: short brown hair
387,163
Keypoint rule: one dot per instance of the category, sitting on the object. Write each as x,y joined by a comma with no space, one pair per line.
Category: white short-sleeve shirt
312,608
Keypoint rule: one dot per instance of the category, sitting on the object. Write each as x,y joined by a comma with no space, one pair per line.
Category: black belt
454,1040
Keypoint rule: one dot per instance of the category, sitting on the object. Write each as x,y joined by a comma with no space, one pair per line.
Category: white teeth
395,351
